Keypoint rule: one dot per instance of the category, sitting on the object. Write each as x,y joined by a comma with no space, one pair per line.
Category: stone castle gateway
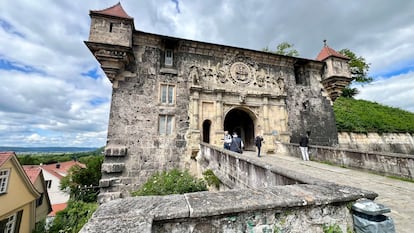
170,94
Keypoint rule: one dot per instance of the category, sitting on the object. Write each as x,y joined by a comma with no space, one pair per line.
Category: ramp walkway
396,194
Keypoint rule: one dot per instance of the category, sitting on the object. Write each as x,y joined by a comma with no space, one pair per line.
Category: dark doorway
239,121
206,131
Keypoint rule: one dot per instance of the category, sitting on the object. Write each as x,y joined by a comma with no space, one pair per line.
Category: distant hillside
34,150
361,116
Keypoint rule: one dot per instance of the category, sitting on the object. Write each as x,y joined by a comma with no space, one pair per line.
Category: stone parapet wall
237,171
291,208
392,164
387,142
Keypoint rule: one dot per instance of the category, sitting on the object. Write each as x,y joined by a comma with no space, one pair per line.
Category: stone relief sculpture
194,76
239,71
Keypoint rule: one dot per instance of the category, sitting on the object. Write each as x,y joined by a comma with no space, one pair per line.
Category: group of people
234,143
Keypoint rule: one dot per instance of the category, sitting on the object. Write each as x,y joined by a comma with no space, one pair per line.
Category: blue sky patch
177,5
400,69
7,65
9,28
98,101
93,73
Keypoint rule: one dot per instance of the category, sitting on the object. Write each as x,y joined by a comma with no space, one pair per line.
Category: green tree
284,48
83,183
359,72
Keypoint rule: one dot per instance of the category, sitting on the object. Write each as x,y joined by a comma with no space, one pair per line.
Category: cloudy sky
53,92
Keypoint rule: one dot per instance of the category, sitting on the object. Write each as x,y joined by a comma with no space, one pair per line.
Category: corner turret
110,41
337,74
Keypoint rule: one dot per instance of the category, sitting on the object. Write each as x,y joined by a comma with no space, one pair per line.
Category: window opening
168,57
167,94
165,124
111,25
4,179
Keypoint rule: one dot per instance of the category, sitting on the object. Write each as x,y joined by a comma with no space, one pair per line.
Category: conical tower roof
115,10
326,52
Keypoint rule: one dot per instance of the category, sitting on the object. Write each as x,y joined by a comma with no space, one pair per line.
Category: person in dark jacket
258,141
236,144
303,145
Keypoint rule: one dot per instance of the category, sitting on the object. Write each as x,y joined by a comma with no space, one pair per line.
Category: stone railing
392,164
288,208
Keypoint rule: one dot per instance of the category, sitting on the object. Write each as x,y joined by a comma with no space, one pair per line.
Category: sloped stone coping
137,214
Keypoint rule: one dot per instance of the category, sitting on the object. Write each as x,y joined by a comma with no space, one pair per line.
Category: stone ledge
104,183
113,167
137,214
116,151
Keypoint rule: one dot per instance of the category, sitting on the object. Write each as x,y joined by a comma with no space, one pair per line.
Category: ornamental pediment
237,72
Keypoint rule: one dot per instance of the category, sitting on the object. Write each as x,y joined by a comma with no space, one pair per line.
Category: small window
10,223
48,183
111,26
167,95
165,125
168,57
39,200
4,180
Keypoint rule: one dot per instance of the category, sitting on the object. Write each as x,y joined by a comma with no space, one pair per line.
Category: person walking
303,145
258,141
236,144
227,140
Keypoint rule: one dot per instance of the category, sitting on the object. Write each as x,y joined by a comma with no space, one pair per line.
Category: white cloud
49,98
396,91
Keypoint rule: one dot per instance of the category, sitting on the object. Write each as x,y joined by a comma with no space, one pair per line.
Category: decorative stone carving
240,72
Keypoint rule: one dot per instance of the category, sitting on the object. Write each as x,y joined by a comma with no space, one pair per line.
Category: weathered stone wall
399,165
116,31
309,109
290,208
388,142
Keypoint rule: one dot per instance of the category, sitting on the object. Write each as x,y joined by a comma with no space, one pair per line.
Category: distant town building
53,174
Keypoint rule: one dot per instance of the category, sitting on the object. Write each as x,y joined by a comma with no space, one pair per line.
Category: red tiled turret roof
329,52
115,10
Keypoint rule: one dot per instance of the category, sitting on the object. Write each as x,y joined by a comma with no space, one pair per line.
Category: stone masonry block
116,151
113,167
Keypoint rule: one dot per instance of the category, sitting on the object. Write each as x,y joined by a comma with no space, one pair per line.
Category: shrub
73,217
211,178
171,182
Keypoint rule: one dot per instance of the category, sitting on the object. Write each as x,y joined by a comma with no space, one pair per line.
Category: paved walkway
396,194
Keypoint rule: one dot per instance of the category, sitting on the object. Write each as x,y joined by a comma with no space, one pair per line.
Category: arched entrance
239,121
206,131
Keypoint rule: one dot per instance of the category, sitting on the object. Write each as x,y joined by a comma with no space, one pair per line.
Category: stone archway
240,121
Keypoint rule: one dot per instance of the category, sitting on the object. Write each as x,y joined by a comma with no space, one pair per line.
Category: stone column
219,110
266,114
196,98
